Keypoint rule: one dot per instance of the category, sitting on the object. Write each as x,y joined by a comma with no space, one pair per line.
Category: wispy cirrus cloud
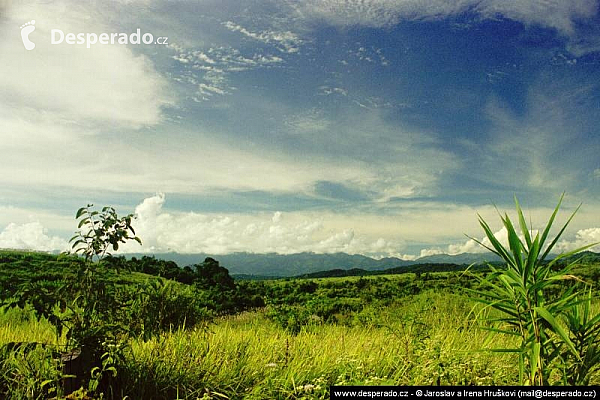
284,41
526,148
381,13
210,70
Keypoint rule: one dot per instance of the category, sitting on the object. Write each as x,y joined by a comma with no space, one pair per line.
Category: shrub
523,293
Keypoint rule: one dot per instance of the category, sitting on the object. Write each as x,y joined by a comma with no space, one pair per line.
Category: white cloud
312,121
276,217
380,13
430,252
103,84
214,66
57,102
30,236
528,146
469,246
285,41
323,232
376,235
261,233
583,237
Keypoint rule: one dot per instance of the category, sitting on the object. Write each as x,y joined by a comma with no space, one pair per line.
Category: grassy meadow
305,335
430,339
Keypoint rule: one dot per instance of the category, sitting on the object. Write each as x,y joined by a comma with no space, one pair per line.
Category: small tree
90,316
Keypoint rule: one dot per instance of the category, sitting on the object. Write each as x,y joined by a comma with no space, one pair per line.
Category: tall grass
22,325
427,341
28,366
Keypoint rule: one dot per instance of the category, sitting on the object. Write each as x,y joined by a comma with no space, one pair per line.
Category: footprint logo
26,29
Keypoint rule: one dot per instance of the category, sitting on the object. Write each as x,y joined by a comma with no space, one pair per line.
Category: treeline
411,269
39,279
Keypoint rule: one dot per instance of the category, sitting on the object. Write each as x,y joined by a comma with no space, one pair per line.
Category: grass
430,338
426,341
20,325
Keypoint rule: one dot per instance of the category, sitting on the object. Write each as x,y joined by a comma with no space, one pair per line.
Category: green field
278,339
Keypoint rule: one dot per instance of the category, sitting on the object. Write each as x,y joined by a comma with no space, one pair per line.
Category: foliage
584,332
530,307
162,305
101,230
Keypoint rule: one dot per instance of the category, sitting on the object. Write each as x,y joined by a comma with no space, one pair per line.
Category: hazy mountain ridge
287,265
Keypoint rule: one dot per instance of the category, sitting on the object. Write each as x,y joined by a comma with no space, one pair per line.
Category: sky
375,127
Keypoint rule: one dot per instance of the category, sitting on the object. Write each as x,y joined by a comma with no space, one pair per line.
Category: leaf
534,361
80,212
523,224
549,248
506,350
504,331
500,250
514,242
544,313
46,382
534,249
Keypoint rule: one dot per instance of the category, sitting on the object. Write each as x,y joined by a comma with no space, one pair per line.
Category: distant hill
253,266
464,258
288,265
285,265
584,259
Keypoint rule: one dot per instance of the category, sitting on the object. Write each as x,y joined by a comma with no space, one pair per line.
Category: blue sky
378,127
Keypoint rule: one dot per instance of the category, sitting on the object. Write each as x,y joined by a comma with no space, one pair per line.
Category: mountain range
287,265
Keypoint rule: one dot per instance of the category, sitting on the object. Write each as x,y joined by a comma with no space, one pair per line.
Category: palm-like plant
585,335
525,293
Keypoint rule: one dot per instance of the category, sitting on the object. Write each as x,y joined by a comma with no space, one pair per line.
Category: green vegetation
107,327
535,310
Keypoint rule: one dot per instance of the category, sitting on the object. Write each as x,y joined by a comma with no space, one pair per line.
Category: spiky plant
525,293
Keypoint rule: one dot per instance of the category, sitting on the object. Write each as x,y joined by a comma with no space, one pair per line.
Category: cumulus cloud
583,237
560,15
471,245
30,236
191,232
